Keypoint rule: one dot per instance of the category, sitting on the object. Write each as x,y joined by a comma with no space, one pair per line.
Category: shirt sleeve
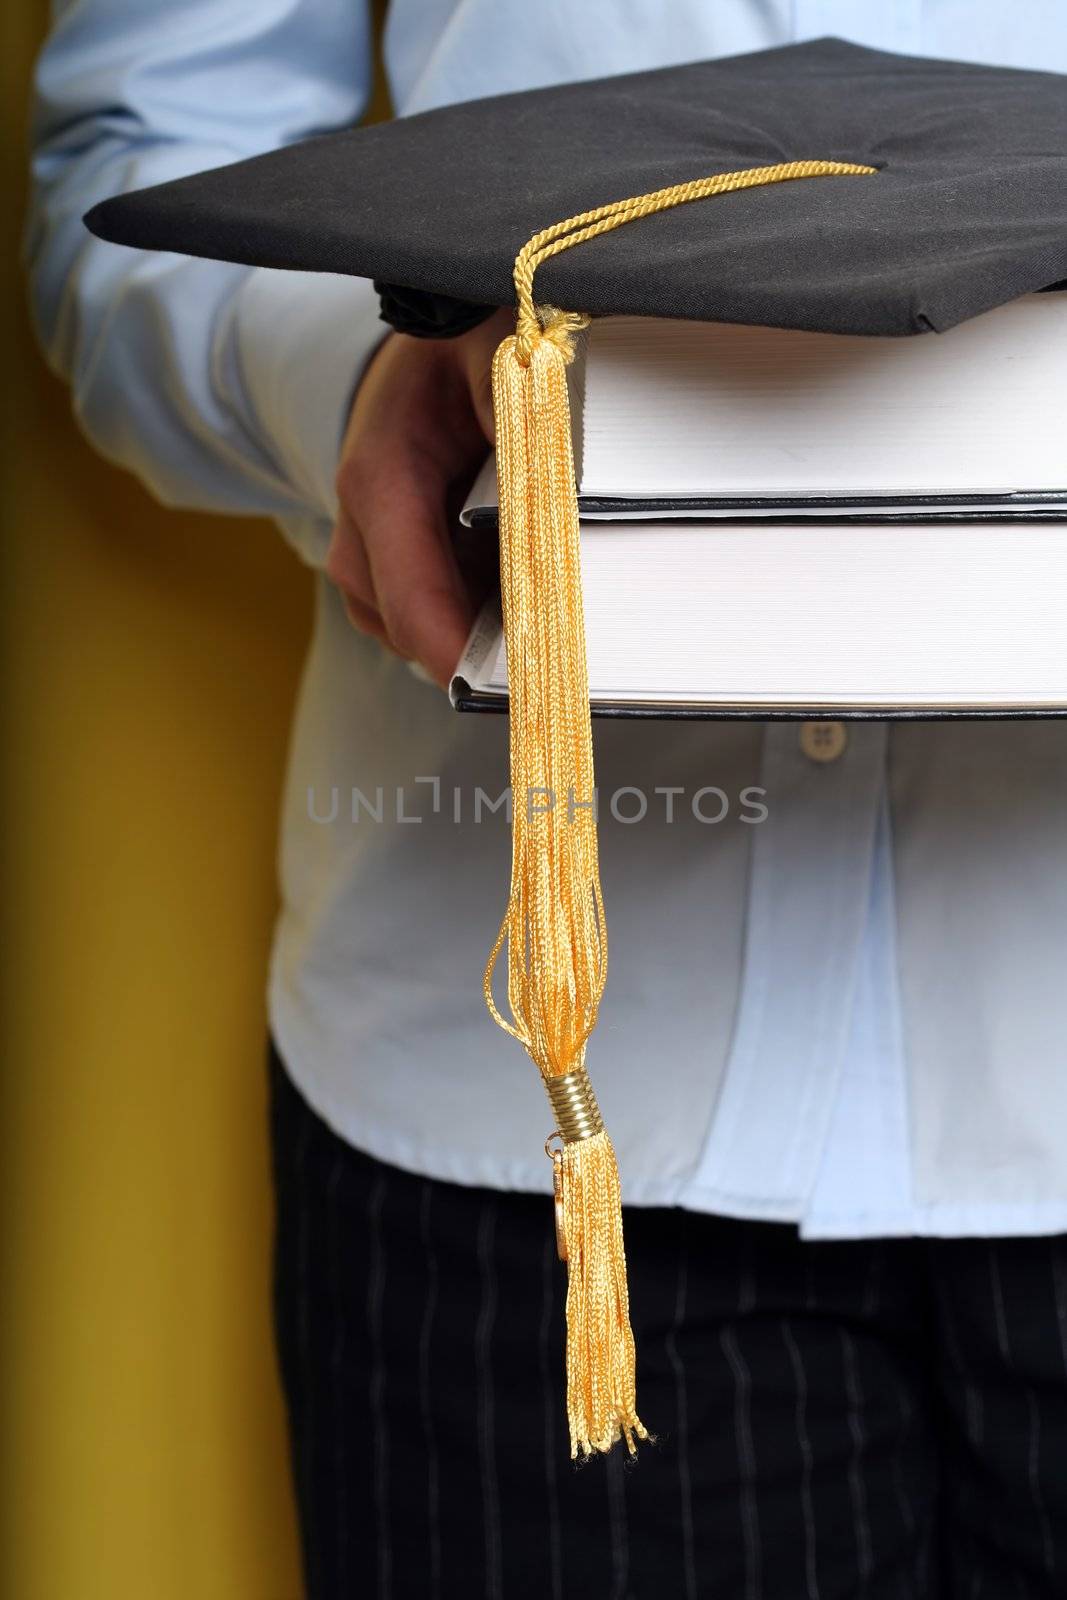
222,387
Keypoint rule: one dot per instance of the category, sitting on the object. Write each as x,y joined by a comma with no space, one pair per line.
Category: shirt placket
808,902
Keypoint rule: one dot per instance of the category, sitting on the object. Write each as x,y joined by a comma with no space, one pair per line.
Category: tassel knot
559,328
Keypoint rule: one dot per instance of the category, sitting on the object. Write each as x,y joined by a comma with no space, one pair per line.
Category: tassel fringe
601,1386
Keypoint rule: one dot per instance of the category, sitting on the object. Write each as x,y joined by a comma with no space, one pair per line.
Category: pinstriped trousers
878,1419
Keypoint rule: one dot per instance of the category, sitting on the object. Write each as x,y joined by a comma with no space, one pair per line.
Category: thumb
481,391
480,346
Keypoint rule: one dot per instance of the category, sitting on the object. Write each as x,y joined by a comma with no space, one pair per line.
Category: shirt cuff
303,342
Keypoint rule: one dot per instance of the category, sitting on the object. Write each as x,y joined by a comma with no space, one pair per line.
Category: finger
481,396
346,560
347,569
433,602
364,618
417,586
480,347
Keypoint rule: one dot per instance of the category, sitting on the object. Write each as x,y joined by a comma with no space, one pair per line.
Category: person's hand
419,426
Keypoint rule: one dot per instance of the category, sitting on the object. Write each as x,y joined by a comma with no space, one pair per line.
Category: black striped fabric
885,1419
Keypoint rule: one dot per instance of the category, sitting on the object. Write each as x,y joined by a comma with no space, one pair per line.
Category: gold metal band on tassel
574,1106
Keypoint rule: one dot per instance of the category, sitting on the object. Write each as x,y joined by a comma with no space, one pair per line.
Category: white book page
686,408
937,616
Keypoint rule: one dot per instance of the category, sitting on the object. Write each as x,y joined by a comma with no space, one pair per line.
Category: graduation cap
955,202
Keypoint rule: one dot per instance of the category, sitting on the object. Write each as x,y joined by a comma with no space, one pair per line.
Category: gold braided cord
574,230
553,925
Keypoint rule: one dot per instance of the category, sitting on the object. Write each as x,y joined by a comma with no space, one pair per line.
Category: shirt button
823,741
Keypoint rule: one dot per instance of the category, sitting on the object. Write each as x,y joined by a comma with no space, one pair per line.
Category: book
778,523
811,619
697,419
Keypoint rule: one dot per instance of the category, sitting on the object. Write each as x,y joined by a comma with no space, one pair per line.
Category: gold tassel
554,924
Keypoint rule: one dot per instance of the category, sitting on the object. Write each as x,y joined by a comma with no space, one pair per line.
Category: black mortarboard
969,210
955,201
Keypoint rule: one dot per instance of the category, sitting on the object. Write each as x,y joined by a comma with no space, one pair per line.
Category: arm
221,387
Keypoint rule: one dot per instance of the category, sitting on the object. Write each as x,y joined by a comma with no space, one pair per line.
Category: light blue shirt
851,1016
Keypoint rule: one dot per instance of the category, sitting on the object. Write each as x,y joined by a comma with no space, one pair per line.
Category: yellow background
150,662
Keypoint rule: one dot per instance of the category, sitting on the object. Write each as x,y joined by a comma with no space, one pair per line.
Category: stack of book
779,523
